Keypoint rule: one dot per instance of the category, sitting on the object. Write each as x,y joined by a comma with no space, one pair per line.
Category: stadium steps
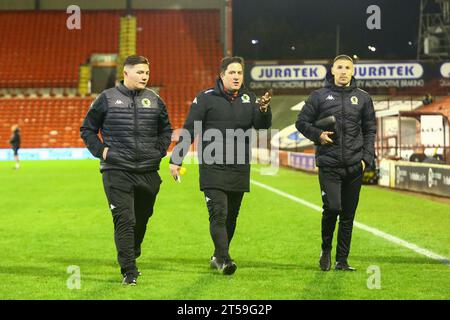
127,42
84,79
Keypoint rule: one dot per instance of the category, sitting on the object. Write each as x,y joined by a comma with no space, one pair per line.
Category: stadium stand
183,47
44,123
43,53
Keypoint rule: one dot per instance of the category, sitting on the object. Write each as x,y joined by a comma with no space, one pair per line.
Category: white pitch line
374,231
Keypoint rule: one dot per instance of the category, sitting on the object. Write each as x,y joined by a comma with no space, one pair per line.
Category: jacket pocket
112,157
325,149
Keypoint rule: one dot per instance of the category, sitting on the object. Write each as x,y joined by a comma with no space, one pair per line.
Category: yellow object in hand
182,171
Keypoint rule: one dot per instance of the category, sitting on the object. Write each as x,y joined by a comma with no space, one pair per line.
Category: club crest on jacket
146,103
245,98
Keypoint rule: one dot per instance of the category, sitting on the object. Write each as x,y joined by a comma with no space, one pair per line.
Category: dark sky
310,26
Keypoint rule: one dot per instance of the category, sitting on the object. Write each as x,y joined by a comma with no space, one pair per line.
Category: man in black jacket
225,114
136,133
344,147
15,144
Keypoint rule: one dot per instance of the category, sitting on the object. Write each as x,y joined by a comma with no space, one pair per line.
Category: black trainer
229,267
130,278
343,266
226,267
325,260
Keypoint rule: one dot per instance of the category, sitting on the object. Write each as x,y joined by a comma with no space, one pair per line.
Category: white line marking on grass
374,231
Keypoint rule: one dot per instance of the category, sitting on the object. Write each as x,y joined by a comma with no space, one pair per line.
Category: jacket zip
136,129
342,128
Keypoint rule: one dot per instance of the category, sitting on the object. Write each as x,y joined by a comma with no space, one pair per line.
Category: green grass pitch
54,214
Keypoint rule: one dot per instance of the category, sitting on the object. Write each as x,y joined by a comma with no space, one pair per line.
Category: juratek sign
288,72
382,71
374,76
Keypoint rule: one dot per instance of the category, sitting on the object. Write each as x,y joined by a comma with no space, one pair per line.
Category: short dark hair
229,60
134,60
343,57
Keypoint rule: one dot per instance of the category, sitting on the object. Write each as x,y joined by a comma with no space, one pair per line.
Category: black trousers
340,195
131,197
223,208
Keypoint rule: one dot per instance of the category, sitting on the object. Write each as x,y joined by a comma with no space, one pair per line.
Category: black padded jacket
134,125
354,130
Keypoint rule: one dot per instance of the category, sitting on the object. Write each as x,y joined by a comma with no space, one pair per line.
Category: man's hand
175,171
105,153
264,101
325,137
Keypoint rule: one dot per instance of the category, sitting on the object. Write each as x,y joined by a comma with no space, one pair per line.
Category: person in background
428,99
15,144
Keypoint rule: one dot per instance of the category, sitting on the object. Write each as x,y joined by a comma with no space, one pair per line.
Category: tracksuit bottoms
223,208
340,189
131,197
